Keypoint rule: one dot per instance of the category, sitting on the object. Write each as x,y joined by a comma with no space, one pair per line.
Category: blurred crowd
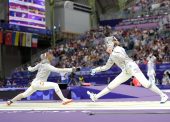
142,43
148,7
88,50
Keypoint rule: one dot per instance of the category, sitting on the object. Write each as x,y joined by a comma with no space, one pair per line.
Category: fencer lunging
44,69
129,68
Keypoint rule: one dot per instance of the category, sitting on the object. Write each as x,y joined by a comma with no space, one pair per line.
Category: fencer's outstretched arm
58,70
107,66
32,69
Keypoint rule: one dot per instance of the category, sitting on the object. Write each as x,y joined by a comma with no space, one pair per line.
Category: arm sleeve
32,69
58,70
108,65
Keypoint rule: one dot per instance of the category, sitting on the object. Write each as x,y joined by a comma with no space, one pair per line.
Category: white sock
102,93
18,97
115,83
60,94
155,89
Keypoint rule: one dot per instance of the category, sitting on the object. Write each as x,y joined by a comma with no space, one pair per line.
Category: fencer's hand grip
92,72
29,68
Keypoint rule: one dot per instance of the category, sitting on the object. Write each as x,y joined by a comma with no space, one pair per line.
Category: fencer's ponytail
115,41
43,56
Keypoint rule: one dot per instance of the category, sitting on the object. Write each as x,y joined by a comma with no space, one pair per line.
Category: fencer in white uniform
44,69
151,68
129,68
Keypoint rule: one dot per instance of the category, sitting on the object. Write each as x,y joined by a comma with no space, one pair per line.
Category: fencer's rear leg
20,96
61,96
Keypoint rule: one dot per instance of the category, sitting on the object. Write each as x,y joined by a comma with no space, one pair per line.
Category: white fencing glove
29,68
93,72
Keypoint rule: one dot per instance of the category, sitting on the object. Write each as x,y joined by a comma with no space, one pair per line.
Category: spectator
1,83
64,77
166,78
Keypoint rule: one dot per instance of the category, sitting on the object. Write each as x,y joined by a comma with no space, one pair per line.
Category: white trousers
40,86
132,69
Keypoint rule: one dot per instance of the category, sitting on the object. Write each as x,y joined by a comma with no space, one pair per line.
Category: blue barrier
99,78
